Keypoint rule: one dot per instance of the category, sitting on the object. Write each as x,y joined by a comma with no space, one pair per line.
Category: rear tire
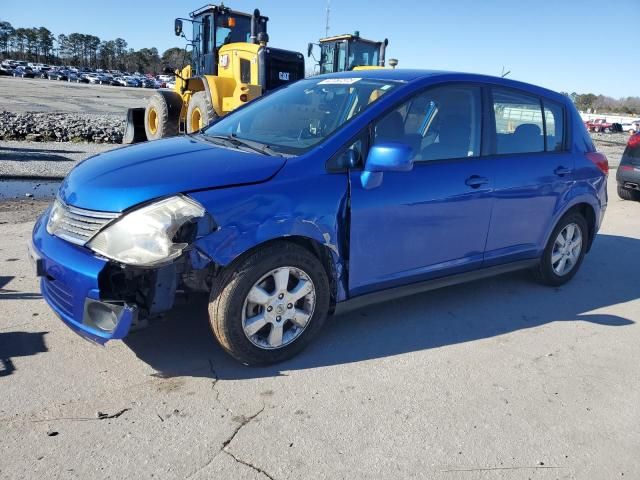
547,272
162,115
200,112
626,194
233,311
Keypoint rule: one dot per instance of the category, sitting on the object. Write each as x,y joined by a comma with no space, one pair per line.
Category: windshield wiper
255,146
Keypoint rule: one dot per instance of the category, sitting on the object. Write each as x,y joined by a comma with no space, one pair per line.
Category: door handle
562,171
475,181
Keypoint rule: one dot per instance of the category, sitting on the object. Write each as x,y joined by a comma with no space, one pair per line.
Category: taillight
600,161
626,167
634,141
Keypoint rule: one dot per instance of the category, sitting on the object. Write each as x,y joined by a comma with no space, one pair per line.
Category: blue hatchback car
330,193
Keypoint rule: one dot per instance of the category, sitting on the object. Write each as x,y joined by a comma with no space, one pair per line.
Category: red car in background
598,125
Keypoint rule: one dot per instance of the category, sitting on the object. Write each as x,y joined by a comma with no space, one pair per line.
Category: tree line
39,44
591,103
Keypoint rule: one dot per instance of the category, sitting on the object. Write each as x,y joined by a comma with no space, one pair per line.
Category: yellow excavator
231,64
347,52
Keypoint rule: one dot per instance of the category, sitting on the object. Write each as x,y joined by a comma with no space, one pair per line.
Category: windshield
295,118
363,54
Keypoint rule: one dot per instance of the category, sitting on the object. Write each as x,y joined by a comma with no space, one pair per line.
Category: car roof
415,75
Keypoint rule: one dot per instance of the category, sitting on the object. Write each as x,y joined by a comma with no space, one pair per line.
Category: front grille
75,224
58,295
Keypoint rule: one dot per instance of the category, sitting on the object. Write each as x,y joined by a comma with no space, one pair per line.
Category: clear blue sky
566,45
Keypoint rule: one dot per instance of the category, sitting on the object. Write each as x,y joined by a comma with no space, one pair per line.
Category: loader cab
347,52
217,26
232,44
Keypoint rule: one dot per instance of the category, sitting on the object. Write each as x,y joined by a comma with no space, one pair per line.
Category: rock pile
61,127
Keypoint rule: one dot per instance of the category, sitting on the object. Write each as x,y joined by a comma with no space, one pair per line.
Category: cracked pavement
501,378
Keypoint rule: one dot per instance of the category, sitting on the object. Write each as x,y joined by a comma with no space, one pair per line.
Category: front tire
564,252
268,306
162,115
200,112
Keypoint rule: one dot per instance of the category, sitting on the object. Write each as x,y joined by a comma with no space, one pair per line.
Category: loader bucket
134,130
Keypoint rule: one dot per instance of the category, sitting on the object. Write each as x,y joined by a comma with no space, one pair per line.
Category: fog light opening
102,316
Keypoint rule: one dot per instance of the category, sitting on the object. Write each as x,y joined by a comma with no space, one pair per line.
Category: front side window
439,124
518,120
295,118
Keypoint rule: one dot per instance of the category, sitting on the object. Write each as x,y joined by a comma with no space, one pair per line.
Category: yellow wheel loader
230,65
342,53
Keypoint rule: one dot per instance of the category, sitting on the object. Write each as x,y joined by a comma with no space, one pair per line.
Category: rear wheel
564,252
267,307
200,112
626,194
162,115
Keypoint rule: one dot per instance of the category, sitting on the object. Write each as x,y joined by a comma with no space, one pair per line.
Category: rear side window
438,124
518,120
554,124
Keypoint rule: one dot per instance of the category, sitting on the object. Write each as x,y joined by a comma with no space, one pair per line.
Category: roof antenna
504,74
326,27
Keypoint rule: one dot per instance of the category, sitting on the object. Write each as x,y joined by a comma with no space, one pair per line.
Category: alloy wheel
566,249
278,308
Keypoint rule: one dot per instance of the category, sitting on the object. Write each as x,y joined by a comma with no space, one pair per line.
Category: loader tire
162,115
200,112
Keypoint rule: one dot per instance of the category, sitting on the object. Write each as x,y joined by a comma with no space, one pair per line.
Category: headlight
55,215
145,237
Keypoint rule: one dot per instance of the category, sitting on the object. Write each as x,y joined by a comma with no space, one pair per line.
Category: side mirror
309,49
385,157
177,27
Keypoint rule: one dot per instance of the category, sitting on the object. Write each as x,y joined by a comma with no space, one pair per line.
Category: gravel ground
497,379
44,159
38,95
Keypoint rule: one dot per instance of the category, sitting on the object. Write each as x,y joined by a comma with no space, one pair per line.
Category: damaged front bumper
69,281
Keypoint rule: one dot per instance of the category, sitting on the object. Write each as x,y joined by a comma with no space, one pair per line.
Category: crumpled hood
119,179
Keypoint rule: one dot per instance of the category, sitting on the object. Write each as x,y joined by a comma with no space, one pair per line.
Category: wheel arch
321,251
584,208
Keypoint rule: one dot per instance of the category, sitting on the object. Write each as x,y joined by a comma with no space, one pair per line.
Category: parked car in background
148,83
631,127
628,173
598,125
24,72
103,78
131,81
392,182
58,75
6,70
77,77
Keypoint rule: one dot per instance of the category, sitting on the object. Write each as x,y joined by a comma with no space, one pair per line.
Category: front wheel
162,115
200,112
268,306
564,252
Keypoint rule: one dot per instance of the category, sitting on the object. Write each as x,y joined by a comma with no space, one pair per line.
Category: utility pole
326,27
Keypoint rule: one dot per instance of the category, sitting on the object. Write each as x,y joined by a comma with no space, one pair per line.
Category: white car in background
631,127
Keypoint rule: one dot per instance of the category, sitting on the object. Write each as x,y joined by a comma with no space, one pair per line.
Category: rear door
433,220
533,172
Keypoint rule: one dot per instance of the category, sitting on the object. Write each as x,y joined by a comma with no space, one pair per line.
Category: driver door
432,221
